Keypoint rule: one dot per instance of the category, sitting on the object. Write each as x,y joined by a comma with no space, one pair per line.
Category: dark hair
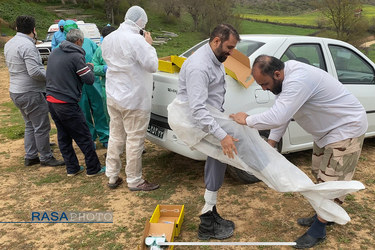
25,24
224,31
107,30
268,64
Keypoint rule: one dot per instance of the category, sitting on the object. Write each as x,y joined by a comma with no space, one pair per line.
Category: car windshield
49,36
247,47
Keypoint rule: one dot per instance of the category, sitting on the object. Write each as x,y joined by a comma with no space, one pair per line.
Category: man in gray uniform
27,91
202,83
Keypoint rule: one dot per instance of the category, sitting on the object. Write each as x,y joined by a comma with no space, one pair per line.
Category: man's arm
197,91
100,67
146,55
54,42
33,63
85,71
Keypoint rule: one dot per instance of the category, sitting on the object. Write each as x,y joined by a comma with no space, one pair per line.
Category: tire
244,177
241,176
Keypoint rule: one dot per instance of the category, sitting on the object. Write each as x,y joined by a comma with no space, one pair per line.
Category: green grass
12,125
309,18
10,9
51,178
251,27
371,53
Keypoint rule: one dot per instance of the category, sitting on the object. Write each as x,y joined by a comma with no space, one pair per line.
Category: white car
90,30
346,63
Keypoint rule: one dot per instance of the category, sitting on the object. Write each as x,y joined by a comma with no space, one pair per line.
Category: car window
350,67
193,49
49,36
247,47
306,53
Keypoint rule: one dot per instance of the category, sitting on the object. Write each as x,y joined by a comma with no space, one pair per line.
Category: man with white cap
131,61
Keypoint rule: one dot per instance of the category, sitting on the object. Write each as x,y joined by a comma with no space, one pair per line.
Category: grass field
251,27
309,18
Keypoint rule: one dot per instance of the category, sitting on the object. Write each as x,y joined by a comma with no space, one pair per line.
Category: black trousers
71,125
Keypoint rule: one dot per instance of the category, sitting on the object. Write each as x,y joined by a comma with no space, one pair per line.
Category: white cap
137,15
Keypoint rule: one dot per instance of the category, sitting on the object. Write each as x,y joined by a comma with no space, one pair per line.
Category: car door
306,51
357,73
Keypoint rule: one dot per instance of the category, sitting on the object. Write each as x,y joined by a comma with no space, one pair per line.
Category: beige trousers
336,161
127,128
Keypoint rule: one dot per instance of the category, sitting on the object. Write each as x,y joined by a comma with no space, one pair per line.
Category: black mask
35,38
62,28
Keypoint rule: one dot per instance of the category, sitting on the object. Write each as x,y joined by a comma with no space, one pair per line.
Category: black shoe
30,162
221,220
118,182
52,162
307,222
307,241
211,228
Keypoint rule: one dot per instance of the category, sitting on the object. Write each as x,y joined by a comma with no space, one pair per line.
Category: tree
194,8
344,15
171,7
73,1
110,7
215,12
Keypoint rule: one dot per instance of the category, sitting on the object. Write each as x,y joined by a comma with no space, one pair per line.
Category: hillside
47,14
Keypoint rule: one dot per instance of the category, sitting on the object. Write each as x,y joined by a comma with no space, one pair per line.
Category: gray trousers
34,109
214,172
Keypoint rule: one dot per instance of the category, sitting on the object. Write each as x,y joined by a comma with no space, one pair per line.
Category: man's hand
228,146
148,37
272,142
240,118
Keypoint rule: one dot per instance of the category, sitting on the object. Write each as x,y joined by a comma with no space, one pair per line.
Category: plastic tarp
257,157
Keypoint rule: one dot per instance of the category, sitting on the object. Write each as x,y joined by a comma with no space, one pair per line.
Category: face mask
62,28
35,37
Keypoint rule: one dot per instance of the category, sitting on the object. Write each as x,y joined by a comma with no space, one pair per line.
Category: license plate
155,130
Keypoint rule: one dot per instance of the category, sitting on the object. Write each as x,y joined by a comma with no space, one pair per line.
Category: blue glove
105,67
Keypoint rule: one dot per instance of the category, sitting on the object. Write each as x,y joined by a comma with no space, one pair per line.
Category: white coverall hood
137,15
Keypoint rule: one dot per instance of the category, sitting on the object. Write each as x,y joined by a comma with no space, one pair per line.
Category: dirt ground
260,213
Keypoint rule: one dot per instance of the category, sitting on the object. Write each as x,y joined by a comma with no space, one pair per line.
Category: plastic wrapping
257,157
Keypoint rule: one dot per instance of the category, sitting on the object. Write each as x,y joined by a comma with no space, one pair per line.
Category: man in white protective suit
131,60
323,107
202,83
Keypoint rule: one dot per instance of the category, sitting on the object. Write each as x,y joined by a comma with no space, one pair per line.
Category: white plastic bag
258,158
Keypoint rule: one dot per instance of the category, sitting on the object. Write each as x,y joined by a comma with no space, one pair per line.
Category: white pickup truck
340,59
89,30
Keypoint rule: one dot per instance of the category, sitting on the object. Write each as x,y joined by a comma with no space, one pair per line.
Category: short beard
222,58
278,86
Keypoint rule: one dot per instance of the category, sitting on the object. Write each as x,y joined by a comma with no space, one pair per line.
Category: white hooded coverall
131,62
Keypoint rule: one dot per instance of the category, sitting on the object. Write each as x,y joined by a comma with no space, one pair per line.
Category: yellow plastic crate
169,214
166,65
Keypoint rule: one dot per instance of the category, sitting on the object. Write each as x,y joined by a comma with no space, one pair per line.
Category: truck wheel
244,177
241,176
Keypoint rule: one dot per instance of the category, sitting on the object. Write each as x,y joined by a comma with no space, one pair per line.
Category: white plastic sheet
258,158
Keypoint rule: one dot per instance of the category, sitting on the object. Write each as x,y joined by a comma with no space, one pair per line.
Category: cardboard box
237,66
158,229
165,220
170,214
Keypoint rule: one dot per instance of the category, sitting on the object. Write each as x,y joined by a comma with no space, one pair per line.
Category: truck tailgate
165,90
